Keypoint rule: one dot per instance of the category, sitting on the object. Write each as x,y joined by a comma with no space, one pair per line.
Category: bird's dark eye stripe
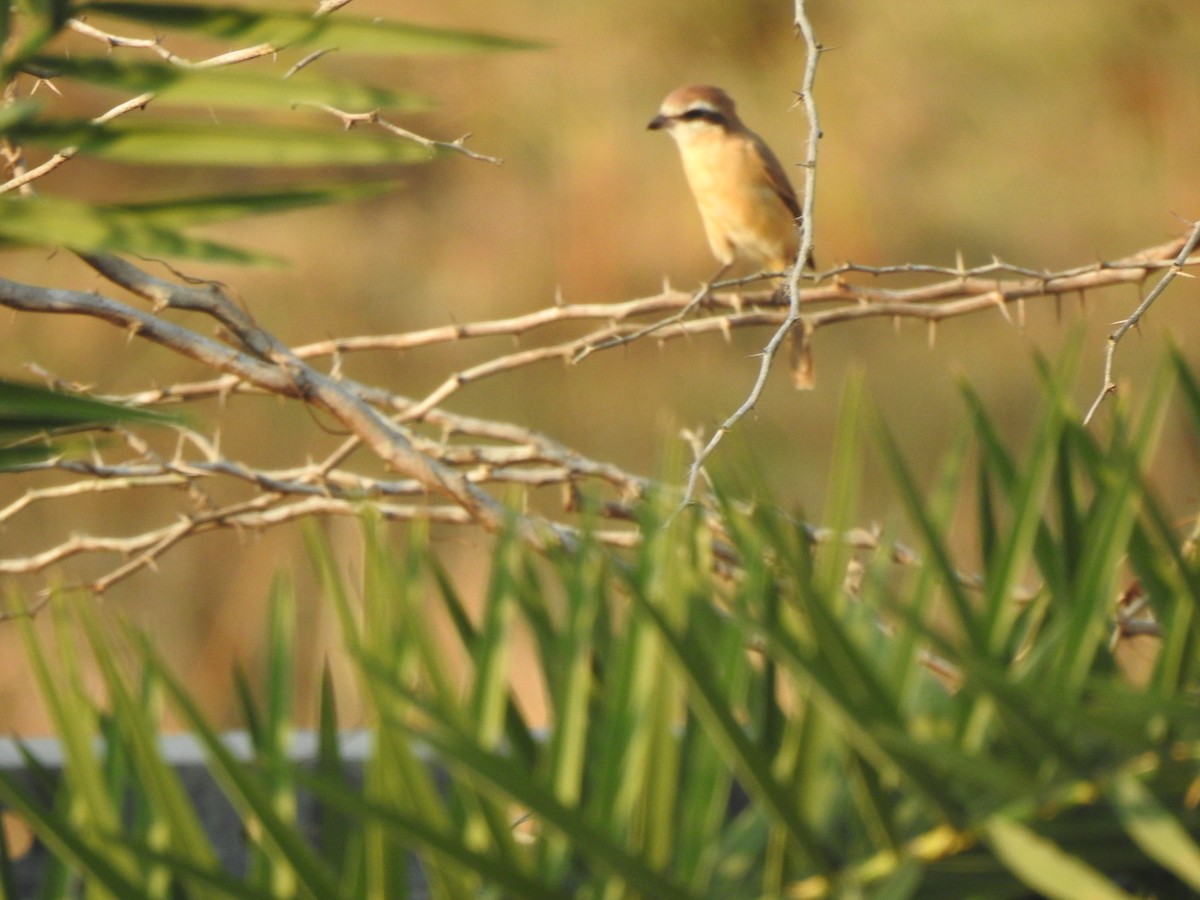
700,112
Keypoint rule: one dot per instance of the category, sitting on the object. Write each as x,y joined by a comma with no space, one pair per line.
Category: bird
748,205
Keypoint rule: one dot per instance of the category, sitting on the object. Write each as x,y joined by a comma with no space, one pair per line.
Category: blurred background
1050,135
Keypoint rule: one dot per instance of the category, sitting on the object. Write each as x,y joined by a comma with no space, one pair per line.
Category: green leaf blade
50,221
230,87
197,143
249,26
1155,830
1045,866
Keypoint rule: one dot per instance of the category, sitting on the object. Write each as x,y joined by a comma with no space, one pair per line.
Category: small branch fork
1173,271
349,120
22,177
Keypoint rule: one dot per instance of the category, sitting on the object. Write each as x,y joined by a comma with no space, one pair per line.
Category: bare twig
233,57
1176,268
135,103
701,295
812,51
459,145
308,60
325,7
154,45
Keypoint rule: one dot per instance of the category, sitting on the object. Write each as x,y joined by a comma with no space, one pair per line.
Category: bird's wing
777,177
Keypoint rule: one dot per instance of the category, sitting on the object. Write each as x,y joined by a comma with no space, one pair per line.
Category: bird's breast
741,208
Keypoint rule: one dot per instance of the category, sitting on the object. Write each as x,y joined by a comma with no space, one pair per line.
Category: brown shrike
749,207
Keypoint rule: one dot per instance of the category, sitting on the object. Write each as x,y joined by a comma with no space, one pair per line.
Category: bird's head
694,110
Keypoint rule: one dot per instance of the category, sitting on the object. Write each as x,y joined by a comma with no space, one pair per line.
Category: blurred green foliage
724,719
188,139
34,420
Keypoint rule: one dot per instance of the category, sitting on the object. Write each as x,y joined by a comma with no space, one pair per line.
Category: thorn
49,86
1003,307
308,60
559,300
932,333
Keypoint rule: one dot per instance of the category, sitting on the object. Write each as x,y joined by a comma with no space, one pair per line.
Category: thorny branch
1174,270
792,323
349,120
440,465
23,177
834,299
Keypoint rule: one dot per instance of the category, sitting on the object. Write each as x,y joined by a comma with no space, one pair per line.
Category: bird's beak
659,121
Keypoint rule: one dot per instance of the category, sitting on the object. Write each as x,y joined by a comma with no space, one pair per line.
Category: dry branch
1173,271
447,467
22,178
834,299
